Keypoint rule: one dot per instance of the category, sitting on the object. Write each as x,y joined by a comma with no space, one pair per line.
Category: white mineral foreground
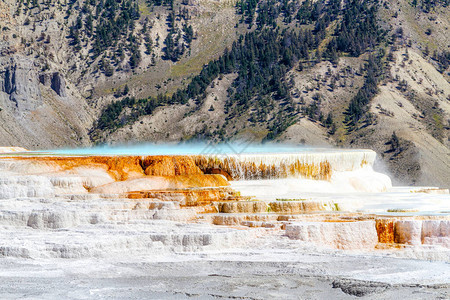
303,225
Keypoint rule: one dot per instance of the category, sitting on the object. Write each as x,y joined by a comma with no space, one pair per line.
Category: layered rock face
341,235
143,204
112,174
416,232
25,186
90,197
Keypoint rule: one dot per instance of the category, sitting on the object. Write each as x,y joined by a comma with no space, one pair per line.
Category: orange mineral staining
119,167
385,230
189,197
169,165
122,167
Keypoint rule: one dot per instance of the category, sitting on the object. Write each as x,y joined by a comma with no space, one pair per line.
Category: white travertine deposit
139,208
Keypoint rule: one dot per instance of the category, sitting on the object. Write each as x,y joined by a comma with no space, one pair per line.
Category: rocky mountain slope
370,74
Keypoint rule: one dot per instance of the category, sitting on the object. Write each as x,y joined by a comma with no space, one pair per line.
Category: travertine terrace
79,207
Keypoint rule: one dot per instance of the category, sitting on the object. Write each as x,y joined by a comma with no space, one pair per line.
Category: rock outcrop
54,80
19,84
36,109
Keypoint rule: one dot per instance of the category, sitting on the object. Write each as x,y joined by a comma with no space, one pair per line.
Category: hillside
370,74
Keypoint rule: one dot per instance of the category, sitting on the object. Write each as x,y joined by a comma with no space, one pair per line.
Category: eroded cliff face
40,107
20,91
36,110
21,81
54,80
